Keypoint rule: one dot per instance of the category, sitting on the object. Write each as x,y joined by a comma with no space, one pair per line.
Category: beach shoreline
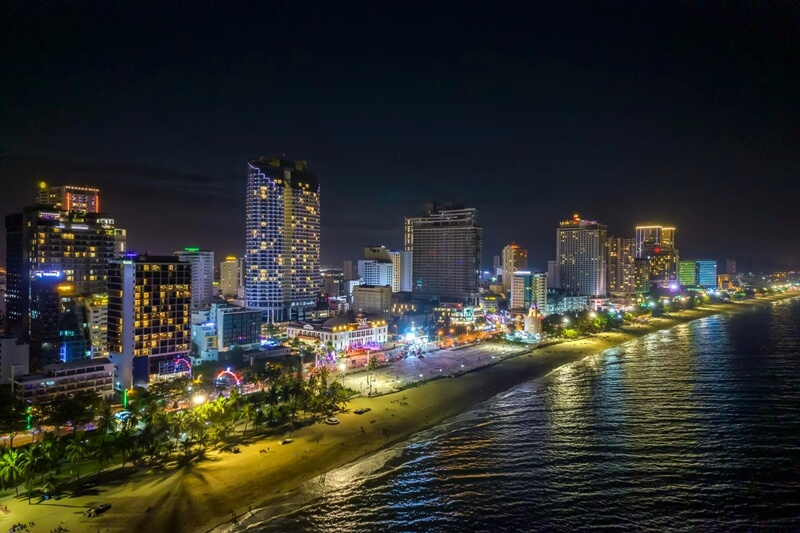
206,495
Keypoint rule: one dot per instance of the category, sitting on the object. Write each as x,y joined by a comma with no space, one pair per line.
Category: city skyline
579,103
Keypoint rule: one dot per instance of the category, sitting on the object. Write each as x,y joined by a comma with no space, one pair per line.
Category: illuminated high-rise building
663,266
687,273
69,198
149,318
514,259
620,265
582,255
97,322
57,331
202,262
707,274
446,244
282,276
229,277
376,272
76,245
657,244
654,236
528,289
403,271
641,276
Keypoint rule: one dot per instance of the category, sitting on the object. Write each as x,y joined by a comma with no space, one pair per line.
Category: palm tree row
150,432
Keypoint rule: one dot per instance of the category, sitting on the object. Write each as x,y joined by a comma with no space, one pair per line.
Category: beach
209,493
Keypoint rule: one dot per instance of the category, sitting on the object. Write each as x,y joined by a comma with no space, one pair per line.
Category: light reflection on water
692,429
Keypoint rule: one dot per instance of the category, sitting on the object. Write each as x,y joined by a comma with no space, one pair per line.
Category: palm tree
32,461
259,419
187,447
225,429
103,451
51,452
78,451
11,468
249,413
48,486
106,422
125,440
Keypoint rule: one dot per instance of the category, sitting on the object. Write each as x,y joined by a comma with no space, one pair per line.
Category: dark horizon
627,114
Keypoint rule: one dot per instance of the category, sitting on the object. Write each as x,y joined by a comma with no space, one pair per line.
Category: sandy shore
203,495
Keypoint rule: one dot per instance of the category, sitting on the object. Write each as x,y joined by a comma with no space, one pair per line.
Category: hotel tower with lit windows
282,259
581,248
149,318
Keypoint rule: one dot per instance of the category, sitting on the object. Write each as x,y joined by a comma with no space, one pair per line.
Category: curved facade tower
282,259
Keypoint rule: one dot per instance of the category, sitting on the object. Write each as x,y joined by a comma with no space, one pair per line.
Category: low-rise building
560,302
58,380
342,333
454,314
204,337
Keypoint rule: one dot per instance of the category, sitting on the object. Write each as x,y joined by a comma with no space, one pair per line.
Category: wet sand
204,495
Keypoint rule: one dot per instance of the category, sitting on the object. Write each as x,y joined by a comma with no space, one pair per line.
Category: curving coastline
203,496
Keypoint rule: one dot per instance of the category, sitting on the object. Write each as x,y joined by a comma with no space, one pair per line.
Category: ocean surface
696,428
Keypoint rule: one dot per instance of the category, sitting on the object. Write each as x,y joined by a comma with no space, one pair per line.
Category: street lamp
342,369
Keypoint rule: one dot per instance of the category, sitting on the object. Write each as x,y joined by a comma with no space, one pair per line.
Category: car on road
331,421
362,410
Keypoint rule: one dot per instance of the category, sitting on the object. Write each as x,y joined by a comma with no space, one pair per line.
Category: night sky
686,114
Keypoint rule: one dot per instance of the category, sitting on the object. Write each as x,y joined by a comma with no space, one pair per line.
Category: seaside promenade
204,495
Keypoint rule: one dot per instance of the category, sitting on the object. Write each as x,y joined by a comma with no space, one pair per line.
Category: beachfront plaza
412,369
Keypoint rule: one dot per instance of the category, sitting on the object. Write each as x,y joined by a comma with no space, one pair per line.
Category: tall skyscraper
149,318
77,245
446,244
282,276
514,258
707,274
730,267
527,289
58,330
655,236
657,244
582,255
402,263
229,277
202,262
687,273
69,198
620,265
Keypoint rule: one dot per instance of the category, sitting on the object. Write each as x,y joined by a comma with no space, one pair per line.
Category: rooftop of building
60,367
337,323
150,259
273,167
